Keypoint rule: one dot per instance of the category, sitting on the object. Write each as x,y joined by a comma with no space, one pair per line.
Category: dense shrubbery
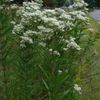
93,3
40,58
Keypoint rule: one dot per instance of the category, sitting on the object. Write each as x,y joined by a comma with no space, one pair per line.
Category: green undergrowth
91,83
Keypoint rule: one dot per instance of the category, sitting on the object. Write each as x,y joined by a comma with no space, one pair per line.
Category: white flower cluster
80,4
34,20
14,6
73,44
55,52
77,88
17,28
79,15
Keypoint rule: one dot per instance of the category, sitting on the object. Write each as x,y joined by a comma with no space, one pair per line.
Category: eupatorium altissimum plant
58,32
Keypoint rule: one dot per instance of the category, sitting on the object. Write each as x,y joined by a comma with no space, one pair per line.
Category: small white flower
60,71
1,7
13,22
56,53
65,49
50,50
42,44
17,28
26,39
91,29
14,6
77,88
73,44
22,45
30,33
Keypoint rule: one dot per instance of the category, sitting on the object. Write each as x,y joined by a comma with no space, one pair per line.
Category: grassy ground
92,87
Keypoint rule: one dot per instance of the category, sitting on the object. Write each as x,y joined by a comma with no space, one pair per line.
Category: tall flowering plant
55,34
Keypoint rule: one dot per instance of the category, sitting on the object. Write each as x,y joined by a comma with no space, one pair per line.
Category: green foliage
59,2
5,46
32,73
91,74
93,3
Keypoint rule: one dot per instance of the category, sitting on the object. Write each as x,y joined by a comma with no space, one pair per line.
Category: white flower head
14,6
65,49
42,44
13,22
50,50
59,71
73,44
56,53
26,40
77,88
